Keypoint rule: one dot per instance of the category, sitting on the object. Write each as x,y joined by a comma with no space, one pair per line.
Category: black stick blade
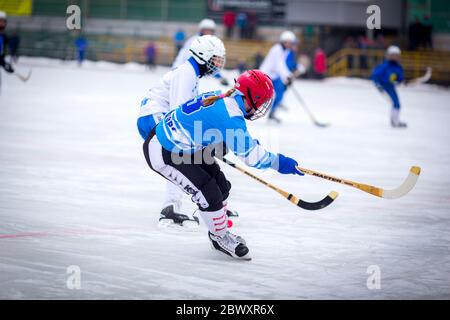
325,202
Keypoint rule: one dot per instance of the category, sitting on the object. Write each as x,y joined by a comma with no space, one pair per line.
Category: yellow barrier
16,7
351,62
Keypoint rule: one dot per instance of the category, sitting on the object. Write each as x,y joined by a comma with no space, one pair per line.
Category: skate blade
247,257
169,225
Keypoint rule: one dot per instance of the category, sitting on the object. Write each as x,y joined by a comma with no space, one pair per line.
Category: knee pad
224,184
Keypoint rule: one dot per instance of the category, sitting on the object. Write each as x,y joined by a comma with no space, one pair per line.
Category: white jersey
176,87
184,52
274,64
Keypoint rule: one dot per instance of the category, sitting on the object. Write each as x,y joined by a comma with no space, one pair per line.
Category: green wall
159,10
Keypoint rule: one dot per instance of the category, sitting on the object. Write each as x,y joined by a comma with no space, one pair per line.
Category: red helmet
257,88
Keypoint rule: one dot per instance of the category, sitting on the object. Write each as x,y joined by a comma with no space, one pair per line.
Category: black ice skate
170,217
232,213
229,245
398,124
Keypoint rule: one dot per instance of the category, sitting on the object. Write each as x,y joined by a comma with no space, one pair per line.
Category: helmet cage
258,111
215,64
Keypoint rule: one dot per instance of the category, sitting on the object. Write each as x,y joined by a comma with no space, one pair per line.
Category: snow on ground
75,190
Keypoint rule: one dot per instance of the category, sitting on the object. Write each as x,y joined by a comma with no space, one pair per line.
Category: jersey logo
393,77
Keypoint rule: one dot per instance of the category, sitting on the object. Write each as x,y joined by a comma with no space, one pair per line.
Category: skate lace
228,241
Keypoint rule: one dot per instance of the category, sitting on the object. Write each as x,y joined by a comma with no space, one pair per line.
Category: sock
216,221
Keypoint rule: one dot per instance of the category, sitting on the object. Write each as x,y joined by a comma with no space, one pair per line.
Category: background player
3,43
280,65
386,76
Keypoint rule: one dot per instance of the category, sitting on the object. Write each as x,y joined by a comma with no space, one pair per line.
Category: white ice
75,190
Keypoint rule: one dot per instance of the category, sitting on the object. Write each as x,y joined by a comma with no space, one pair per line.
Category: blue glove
287,165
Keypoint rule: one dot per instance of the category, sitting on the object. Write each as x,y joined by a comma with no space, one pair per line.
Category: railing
349,62
126,48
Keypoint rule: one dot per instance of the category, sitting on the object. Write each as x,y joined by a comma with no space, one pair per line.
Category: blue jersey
2,43
387,73
192,127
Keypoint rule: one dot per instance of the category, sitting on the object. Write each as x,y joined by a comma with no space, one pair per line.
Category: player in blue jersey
386,76
182,147
3,43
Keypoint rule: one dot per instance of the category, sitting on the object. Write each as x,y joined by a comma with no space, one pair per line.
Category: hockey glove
288,165
288,82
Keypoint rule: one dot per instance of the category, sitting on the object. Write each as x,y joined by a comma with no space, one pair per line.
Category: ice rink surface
75,190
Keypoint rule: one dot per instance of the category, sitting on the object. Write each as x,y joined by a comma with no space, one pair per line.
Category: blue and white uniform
175,87
192,127
276,65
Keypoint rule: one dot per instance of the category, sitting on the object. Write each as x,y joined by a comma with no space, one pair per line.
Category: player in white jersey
207,57
181,149
205,27
281,69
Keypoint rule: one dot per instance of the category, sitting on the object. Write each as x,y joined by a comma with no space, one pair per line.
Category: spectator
179,39
242,22
363,44
320,63
350,44
150,54
427,33
258,60
81,46
414,34
252,21
14,42
380,42
229,20
242,66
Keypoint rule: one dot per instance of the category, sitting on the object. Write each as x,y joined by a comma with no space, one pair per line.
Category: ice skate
170,217
398,124
229,245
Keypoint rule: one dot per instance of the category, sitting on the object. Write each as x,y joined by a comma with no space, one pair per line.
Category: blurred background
333,31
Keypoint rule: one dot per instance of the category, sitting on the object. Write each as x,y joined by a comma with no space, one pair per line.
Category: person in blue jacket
3,42
81,45
386,76
181,148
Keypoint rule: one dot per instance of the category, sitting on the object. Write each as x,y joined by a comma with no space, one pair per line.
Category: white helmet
209,50
288,36
3,15
207,24
393,50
